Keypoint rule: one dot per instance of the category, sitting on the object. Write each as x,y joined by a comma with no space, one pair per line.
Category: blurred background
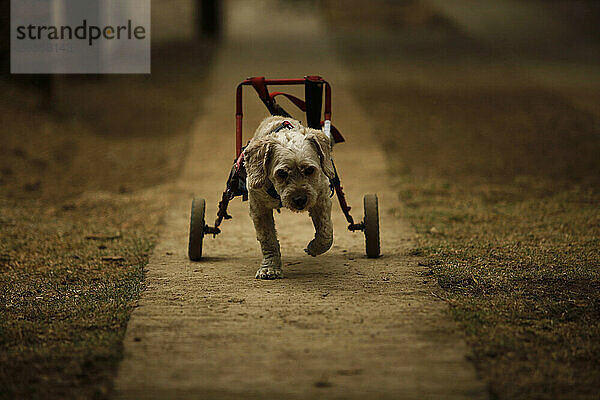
422,61
110,131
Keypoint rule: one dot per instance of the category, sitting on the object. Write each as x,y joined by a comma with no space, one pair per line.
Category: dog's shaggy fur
297,161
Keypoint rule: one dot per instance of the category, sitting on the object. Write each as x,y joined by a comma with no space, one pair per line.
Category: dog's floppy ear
256,159
322,145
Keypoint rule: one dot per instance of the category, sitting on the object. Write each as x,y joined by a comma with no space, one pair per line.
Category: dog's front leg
321,217
270,268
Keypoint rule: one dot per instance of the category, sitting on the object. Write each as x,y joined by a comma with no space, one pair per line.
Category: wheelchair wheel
196,229
371,221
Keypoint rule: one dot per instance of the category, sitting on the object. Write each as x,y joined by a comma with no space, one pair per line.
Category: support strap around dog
236,183
258,83
301,104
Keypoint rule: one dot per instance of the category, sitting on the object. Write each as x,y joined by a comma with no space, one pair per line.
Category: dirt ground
81,199
487,146
493,139
337,326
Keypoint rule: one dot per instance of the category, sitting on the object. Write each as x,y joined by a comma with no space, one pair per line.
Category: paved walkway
339,325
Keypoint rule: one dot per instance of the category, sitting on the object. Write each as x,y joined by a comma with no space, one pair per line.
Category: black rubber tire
371,221
196,229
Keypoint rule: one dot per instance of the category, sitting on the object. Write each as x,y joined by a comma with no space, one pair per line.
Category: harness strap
240,160
273,193
258,83
284,125
301,104
241,170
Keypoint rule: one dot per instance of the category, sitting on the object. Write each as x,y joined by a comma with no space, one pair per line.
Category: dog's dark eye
309,171
282,174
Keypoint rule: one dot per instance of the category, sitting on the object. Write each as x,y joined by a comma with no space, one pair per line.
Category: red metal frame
260,85
239,115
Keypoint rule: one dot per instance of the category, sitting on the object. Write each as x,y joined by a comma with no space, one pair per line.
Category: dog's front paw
269,273
318,246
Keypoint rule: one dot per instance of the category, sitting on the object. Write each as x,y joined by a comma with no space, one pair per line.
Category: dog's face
297,168
296,175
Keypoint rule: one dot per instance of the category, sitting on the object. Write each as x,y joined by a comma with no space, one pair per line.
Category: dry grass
503,189
81,199
65,309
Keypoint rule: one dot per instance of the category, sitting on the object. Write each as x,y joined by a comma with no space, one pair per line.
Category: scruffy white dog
288,165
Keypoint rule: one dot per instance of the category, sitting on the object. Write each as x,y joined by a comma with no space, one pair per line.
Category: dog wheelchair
236,182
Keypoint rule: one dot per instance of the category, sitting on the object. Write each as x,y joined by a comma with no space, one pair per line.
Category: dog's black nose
299,201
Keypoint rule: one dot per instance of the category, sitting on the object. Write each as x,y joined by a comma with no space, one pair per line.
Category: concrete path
339,325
